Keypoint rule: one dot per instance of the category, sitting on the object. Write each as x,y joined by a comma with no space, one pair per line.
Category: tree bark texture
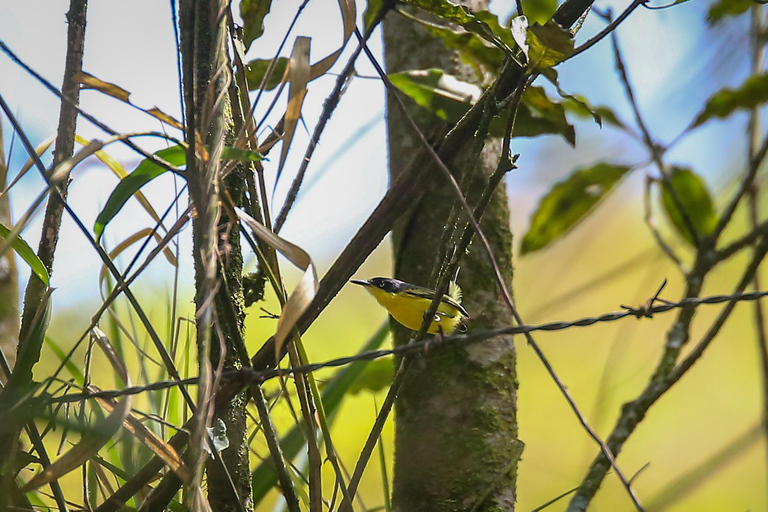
65,146
456,441
200,22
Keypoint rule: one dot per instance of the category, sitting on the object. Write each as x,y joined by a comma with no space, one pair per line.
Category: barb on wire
426,347
646,308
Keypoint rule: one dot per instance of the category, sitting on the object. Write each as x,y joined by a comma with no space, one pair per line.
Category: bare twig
613,25
651,223
754,165
758,231
656,151
286,483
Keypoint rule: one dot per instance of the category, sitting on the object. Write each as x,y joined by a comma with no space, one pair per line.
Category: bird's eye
381,285
437,318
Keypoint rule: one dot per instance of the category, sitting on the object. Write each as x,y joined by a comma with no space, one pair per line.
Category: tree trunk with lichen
200,21
456,441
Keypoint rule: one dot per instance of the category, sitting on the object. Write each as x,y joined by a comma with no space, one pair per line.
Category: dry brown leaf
162,116
146,436
305,291
88,81
92,440
137,237
348,15
298,76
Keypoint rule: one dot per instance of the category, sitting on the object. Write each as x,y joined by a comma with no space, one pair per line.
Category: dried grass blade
162,116
153,442
119,171
91,441
61,171
137,237
305,291
88,81
42,148
298,75
348,15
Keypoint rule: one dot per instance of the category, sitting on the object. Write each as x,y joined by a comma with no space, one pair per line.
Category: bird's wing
426,293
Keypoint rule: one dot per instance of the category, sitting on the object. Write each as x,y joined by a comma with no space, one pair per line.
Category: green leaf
579,106
569,202
723,8
440,93
503,34
376,377
449,99
264,477
29,354
548,44
474,50
753,92
374,6
483,23
539,11
240,155
541,116
257,68
26,253
146,171
253,13
695,201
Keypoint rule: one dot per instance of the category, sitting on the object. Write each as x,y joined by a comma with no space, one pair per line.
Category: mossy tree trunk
203,30
456,441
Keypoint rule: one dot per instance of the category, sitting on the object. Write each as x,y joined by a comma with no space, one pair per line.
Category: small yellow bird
407,304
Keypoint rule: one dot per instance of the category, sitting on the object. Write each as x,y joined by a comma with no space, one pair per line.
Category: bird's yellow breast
409,311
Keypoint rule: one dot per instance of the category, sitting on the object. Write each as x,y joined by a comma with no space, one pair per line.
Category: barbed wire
247,375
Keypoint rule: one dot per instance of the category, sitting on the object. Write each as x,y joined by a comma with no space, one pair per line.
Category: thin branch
656,151
758,231
651,223
270,434
37,292
756,158
608,29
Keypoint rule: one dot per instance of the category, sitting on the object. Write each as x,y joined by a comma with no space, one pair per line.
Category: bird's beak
361,282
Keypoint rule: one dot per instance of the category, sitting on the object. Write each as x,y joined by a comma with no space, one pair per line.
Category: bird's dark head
386,284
